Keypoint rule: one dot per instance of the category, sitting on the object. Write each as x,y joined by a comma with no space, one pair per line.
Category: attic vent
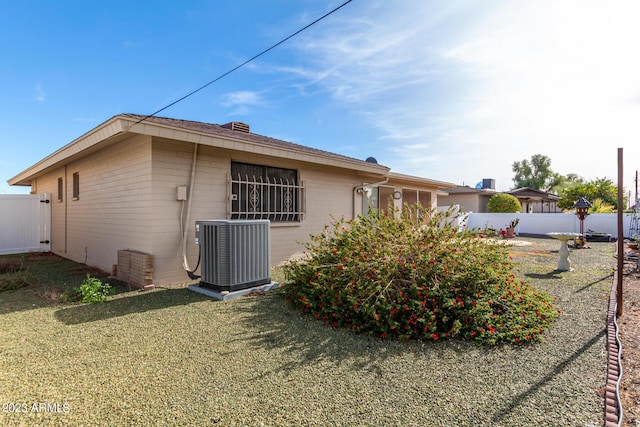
237,126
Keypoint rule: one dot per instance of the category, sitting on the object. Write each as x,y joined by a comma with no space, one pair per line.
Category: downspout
185,228
358,190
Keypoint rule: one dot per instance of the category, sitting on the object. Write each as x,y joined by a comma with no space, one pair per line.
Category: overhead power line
244,63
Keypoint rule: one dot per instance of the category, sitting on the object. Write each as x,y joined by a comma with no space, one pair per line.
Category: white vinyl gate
25,223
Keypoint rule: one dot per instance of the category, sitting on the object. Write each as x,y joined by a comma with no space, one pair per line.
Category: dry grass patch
173,357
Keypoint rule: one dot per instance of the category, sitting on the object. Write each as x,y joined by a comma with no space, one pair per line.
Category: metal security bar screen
262,192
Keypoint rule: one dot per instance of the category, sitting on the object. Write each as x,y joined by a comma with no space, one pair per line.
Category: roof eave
419,180
232,142
123,124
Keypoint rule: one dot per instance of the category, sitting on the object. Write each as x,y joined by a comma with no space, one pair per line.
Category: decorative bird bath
564,264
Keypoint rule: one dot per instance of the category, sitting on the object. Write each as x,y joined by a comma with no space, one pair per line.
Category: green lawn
174,357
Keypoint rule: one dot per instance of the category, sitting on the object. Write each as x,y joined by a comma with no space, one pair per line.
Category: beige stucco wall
112,208
128,201
467,202
328,192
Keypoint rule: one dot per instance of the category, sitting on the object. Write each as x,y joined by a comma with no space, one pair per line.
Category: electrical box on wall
181,192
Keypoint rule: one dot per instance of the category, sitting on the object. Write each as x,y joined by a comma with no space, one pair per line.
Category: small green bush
92,290
399,277
504,203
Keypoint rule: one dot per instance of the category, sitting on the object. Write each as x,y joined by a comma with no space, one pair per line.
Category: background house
536,201
468,198
477,199
141,184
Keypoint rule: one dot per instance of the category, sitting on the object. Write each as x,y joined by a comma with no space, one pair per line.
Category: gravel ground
174,357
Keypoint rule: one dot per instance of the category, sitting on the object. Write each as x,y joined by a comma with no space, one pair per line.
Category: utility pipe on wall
185,228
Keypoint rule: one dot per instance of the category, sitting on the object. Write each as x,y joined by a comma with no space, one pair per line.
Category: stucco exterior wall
467,202
128,200
328,191
112,208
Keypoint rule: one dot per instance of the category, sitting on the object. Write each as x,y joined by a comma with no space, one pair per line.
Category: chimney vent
237,126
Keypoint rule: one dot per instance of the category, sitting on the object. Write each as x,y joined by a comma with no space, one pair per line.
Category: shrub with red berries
413,275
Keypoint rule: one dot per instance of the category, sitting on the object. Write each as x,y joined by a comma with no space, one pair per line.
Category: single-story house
467,198
536,201
139,183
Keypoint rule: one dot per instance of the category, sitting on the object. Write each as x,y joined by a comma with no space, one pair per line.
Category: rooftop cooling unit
234,254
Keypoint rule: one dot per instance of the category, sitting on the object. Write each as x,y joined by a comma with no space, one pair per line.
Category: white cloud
242,98
38,93
461,90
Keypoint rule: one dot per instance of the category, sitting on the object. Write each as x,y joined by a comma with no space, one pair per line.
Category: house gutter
358,190
185,225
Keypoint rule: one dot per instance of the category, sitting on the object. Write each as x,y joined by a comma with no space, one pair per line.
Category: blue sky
450,90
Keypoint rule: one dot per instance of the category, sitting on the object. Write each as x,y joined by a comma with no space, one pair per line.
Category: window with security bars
264,192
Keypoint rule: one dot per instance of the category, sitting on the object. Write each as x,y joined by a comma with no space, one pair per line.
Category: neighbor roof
465,189
532,193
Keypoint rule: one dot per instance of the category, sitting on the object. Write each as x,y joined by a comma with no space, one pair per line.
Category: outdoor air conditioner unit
234,254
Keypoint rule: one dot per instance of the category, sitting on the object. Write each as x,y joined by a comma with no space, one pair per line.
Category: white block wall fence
25,223
543,223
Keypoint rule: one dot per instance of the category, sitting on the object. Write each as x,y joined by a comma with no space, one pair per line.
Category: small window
76,186
60,189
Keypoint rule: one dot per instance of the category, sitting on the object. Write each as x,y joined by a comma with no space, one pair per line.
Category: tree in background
565,181
535,173
504,203
600,206
600,188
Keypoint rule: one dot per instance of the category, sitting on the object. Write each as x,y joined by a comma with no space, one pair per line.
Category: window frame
76,185
265,192
60,189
